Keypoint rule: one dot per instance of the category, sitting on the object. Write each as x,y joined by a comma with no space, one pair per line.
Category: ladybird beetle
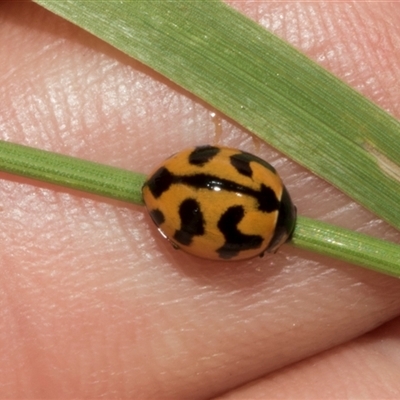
219,203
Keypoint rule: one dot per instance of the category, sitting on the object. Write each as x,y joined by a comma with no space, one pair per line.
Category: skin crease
94,304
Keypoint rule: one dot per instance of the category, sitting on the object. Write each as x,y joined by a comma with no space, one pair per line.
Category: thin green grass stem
344,244
125,185
71,172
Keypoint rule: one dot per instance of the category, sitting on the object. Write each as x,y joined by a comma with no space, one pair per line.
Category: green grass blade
262,83
357,248
71,172
127,186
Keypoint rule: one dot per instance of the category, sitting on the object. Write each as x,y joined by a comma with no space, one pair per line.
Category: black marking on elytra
266,197
157,216
242,164
160,182
201,155
286,221
245,157
192,222
235,241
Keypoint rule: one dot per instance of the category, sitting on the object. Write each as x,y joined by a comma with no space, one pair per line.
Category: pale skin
95,304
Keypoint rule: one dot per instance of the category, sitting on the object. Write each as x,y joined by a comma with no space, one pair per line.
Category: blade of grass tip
262,83
71,172
126,186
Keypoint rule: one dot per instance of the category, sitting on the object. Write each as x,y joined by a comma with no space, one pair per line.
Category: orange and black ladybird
220,203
